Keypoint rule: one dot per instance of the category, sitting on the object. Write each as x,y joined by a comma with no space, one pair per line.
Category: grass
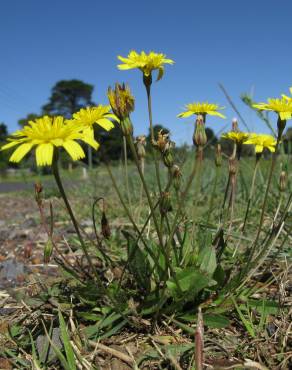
243,324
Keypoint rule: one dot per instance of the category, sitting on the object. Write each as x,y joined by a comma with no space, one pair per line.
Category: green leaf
138,263
190,280
66,342
216,321
264,306
37,365
207,260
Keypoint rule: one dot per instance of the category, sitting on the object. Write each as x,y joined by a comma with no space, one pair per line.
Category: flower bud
283,181
218,156
105,228
121,100
235,125
126,126
168,158
38,188
48,250
165,204
200,137
176,175
140,144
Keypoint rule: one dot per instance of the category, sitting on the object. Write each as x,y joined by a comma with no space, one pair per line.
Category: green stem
213,194
56,174
250,194
156,160
126,169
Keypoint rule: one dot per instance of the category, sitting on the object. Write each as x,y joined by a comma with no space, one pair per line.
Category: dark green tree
68,96
3,154
30,117
3,132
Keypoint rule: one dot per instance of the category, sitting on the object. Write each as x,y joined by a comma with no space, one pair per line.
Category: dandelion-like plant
261,142
47,134
145,62
202,109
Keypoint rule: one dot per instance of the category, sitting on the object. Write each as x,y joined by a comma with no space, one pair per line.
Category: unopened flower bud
218,156
200,137
165,204
38,188
121,100
140,144
283,181
48,250
105,228
176,175
168,158
235,125
126,126
232,165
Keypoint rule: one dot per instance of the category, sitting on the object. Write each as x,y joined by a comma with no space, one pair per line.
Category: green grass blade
66,342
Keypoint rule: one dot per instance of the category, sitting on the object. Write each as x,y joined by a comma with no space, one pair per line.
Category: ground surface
22,241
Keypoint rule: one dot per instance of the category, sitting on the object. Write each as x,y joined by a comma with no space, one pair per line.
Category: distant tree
111,145
211,137
68,96
3,132
30,117
3,154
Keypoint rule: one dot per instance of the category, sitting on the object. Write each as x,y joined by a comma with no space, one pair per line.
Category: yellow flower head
46,133
202,108
262,141
281,106
145,62
236,136
99,115
87,117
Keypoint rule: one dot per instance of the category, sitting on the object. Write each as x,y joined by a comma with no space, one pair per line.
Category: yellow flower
202,108
46,133
87,117
281,106
145,62
236,136
100,115
262,141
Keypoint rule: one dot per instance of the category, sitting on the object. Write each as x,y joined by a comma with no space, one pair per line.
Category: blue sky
246,45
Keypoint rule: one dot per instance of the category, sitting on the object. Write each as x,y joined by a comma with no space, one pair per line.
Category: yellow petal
90,141
20,152
285,115
185,114
259,148
74,149
44,154
10,145
105,123
213,113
